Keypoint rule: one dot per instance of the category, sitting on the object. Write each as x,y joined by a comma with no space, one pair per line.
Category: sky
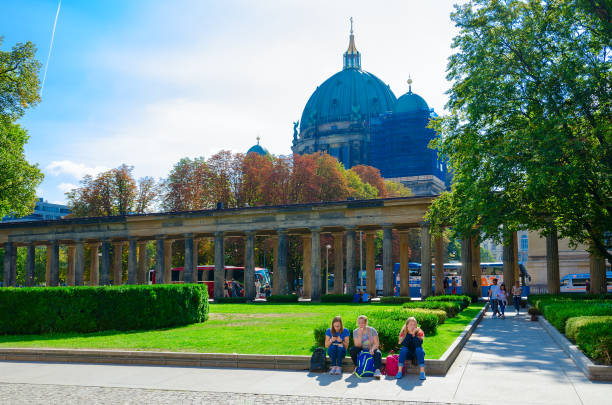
147,83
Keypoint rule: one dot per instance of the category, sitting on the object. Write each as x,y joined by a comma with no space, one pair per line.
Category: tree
147,195
19,90
187,186
486,255
528,135
371,175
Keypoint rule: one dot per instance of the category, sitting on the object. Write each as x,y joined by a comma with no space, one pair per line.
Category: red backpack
392,364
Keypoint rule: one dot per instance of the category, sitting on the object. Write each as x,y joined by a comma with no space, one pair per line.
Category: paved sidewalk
510,361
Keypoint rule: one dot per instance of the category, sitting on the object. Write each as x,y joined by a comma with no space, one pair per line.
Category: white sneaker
377,374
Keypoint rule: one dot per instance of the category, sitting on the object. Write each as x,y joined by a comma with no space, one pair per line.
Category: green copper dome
258,149
350,95
411,103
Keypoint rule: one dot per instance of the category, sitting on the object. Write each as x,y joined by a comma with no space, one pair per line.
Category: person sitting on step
411,338
336,343
366,338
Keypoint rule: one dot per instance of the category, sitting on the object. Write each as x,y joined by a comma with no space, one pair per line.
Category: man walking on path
493,291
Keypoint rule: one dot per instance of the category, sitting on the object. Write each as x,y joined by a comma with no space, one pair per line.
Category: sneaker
398,375
332,371
338,370
422,376
377,374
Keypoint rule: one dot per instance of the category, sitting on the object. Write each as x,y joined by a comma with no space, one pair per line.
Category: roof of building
411,102
258,149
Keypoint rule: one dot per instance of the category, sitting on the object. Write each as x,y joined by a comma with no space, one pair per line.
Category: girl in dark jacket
411,338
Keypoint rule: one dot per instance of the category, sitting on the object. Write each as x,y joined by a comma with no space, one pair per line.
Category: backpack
365,365
317,361
392,364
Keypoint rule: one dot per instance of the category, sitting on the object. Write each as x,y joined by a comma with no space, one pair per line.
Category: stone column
79,262
168,261
249,266
132,261
188,268
426,287
338,263
30,262
54,271
9,251
143,271
515,275
306,266
388,281
105,267
160,263
370,264
351,276
219,265
117,263
597,269
476,270
404,264
466,265
282,262
94,269
70,271
553,279
439,261
508,257
48,267
315,264
196,249
275,273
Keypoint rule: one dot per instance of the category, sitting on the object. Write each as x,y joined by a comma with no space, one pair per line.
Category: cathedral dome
350,95
411,103
258,149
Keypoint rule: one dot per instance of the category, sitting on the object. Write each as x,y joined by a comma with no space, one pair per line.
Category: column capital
188,235
387,226
315,229
249,233
280,231
424,224
218,234
118,243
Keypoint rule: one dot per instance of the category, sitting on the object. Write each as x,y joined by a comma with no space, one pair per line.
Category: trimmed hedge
394,300
451,308
465,300
39,310
282,298
230,300
441,314
337,298
595,340
557,313
573,325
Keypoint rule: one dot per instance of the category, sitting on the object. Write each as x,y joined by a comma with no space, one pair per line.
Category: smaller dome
258,149
411,103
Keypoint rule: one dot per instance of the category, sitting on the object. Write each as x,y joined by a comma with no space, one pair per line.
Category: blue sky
148,82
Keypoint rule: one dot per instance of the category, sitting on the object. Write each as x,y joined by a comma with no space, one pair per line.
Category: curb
592,371
222,360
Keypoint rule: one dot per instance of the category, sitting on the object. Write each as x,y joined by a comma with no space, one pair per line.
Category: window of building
524,242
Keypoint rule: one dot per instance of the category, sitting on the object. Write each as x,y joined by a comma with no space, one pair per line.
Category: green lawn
241,328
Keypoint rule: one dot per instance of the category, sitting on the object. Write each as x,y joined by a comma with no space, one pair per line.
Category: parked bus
206,276
576,282
489,271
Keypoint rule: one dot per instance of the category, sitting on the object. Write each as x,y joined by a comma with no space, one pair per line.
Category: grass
241,328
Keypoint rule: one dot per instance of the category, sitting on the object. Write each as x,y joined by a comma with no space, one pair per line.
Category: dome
258,149
350,95
411,103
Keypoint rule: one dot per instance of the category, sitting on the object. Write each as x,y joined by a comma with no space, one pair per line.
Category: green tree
528,135
486,255
19,90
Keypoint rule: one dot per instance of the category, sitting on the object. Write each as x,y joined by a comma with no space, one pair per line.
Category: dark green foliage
90,309
595,340
394,300
230,300
337,298
282,298
451,308
465,300
557,313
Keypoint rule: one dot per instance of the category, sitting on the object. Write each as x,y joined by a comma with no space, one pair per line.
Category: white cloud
66,187
76,170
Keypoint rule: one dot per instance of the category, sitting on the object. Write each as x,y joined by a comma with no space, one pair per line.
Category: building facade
42,211
355,117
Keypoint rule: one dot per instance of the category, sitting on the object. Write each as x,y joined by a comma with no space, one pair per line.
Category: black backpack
317,361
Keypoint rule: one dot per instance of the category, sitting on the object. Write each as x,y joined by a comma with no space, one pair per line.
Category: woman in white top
517,292
502,297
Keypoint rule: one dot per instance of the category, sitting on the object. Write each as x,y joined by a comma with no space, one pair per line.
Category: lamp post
327,268
360,259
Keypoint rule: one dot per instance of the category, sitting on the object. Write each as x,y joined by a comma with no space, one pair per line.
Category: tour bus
576,282
206,276
489,271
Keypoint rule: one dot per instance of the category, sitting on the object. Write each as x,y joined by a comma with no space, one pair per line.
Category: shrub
427,321
465,300
441,314
282,298
573,325
557,313
451,308
90,309
595,340
230,300
337,298
319,332
394,300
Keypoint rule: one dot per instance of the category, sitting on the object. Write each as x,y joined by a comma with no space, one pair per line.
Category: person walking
445,282
454,286
493,290
502,297
517,293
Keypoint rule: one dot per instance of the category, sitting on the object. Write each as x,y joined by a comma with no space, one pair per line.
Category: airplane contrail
42,86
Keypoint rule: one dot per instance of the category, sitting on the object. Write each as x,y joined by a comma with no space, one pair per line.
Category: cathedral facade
355,117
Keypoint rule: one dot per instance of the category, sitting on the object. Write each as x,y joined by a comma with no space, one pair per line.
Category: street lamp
360,259
327,268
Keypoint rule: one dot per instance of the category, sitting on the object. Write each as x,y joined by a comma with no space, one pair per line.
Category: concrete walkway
510,361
